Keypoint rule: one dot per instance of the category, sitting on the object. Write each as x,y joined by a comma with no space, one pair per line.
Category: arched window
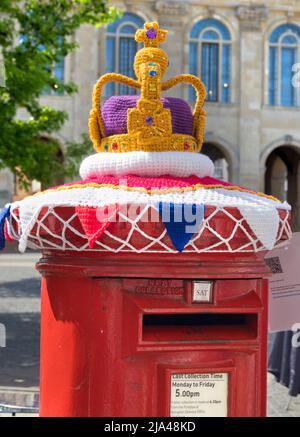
57,69
121,48
59,72
222,165
284,52
282,178
209,54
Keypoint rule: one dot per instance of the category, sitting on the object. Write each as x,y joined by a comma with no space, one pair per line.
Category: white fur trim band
150,164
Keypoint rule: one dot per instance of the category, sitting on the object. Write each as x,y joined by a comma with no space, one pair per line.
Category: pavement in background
19,360
280,404
20,314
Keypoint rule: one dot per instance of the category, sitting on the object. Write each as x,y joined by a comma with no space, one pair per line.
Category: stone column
172,15
84,73
251,91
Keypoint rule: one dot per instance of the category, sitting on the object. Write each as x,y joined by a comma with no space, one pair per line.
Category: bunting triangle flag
95,220
266,230
181,221
4,214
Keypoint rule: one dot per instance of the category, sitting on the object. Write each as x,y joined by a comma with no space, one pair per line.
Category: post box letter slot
203,327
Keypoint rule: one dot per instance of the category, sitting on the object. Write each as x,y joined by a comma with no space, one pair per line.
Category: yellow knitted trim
96,126
157,190
199,114
130,143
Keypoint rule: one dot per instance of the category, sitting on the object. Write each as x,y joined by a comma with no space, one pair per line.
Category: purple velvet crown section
114,113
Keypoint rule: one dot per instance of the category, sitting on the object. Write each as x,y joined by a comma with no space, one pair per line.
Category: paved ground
19,360
20,314
280,404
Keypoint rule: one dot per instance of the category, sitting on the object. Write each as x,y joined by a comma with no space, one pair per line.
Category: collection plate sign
199,394
202,292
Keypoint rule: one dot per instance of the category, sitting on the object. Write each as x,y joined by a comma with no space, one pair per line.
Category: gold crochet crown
149,125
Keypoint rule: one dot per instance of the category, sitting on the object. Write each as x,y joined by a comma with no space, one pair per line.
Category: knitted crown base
223,230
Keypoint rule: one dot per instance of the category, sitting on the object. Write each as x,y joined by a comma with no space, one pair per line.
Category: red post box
146,313
153,335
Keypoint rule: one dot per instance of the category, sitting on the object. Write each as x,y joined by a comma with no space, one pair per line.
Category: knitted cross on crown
151,35
149,122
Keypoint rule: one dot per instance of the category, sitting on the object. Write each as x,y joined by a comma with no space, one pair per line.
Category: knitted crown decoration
152,124
154,178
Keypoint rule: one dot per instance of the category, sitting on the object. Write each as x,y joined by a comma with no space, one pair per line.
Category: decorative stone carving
288,139
290,14
171,8
251,16
211,11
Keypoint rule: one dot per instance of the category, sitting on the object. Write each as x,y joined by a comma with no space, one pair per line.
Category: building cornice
171,8
251,16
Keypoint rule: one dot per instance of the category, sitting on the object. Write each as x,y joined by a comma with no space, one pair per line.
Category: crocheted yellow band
149,125
157,190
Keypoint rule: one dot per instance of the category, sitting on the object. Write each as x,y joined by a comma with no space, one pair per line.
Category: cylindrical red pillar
114,327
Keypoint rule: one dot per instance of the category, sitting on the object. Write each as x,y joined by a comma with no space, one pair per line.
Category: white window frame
117,35
199,41
279,46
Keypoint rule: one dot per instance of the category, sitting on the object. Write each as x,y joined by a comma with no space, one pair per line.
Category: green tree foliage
34,36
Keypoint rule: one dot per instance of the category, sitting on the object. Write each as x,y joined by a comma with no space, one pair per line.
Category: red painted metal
100,355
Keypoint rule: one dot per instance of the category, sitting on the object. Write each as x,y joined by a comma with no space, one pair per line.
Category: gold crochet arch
149,125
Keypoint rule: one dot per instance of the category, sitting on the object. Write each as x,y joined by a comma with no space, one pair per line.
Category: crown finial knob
151,35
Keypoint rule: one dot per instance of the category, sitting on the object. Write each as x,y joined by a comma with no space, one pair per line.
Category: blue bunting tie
4,214
181,221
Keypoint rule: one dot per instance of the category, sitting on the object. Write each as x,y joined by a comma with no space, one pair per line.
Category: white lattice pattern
222,230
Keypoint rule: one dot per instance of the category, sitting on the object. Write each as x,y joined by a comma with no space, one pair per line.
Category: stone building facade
248,54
